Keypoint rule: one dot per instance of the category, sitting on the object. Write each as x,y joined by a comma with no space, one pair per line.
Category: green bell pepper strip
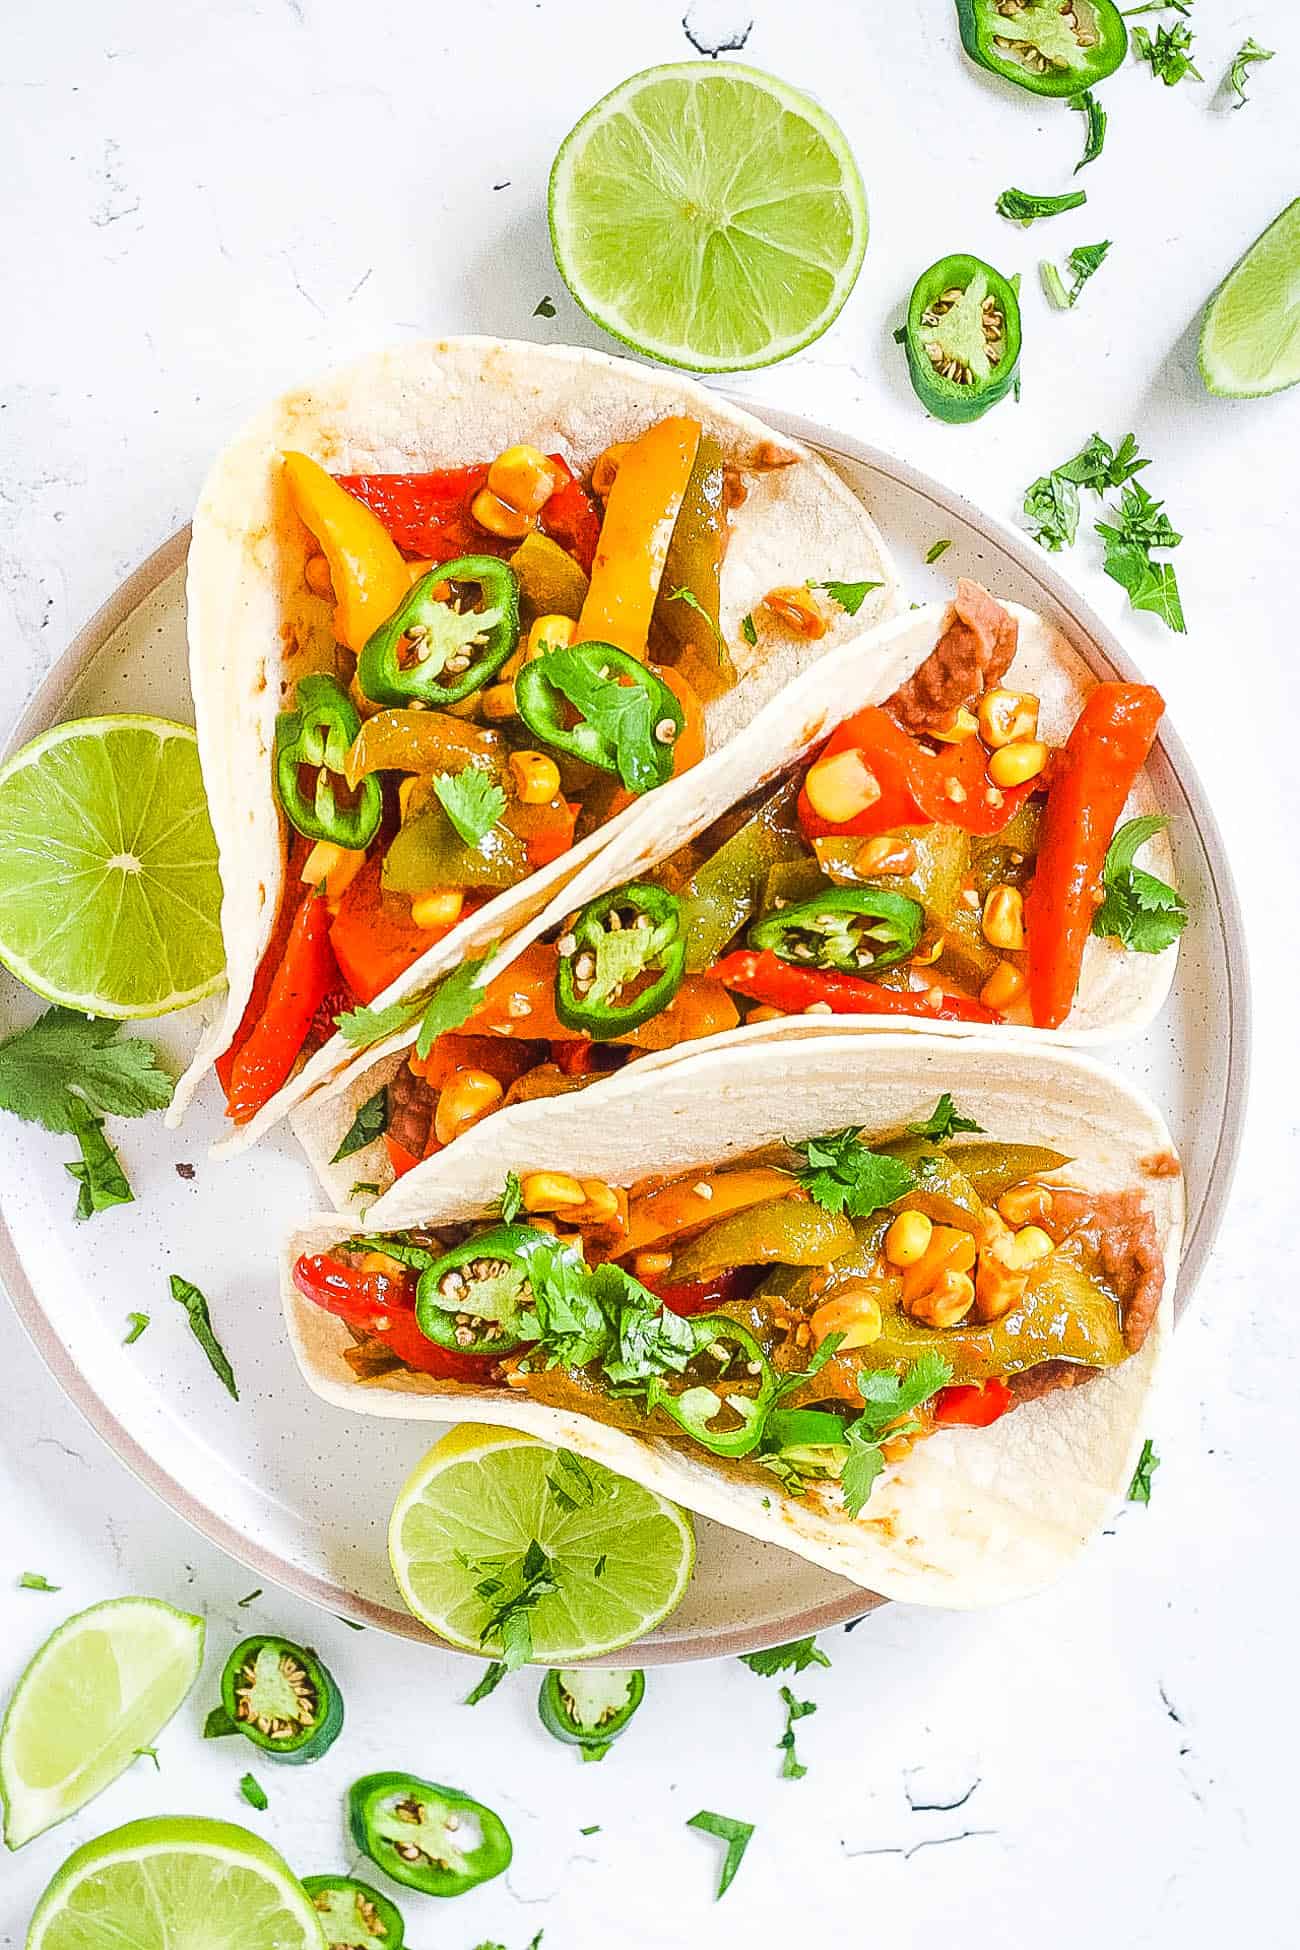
958,368
477,1298
615,940
283,1698
696,1407
1041,51
353,1916
455,651
589,1708
628,719
726,890
858,929
318,733
432,1838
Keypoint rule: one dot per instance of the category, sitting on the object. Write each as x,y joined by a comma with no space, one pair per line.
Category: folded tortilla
970,1516
1119,991
255,628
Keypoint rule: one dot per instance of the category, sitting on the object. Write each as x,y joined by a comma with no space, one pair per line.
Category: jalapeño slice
477,1298
588,1708
621,962
726,1414
627,719
432,1838
858,929
451,651
1043,46
316,736
282,1697
962,338
353,1916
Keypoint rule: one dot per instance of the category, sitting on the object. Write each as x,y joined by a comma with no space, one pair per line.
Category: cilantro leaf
1141,520
219,1725
748,629
138,1324
1169,53
98,1173
795,1657
370,1122
1022,207
944,1121
1098,465
1139,1490
1143,912
886,1399
452,1002
1096,132
362,1026
622,715
841,1175
36,1581
862,1465
1084,260
249,1598
511,1199
849,595
509,1622
472,802
1051,507
1250,50
936,549
149,1753
692,601
544,308
493,1673
1150,585
792,1768
196,1307
736,1834
254,1793
64,1054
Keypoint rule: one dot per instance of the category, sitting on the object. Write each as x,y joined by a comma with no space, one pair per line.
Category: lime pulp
1250,336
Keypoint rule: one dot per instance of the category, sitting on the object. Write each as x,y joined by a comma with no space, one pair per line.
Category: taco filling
935,859
520,655
810,1321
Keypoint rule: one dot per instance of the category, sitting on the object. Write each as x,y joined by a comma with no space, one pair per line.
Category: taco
892,1301
453,612
937,861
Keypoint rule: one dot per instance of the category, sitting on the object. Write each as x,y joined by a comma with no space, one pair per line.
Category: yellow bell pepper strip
640,517
423,741
685,1206
367,568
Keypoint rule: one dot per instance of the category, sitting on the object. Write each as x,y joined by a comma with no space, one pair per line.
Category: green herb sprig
1023,207
1142,911
1084,261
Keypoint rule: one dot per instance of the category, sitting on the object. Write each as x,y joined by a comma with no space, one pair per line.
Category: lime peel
1250,335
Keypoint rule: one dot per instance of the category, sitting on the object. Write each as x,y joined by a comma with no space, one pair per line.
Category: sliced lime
1250,336
100,1688
621,1557
110,900
708,215
175,1883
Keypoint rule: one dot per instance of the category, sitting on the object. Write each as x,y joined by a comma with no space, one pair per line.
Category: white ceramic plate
301,1492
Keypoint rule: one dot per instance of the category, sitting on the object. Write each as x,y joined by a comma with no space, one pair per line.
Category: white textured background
205,200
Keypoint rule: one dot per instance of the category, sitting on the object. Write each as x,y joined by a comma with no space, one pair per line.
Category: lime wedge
470,1511
1250,336
708,215
109,896
101,1687
175,1883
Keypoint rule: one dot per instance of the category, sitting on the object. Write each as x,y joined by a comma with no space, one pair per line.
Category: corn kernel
998,1289
651,1266
765,1013
1007,718
949,1250
492,513
1017,764
1003,924
964,725
1024,1202
536,777
498,703
908,1238
1026,1247
1005,985
603,473
469,1095
601,1202
316,575
841,787
886,853
332,867
392,1269
550,1191
798,610
523,478
853,1312
438,908
947,1302
550,633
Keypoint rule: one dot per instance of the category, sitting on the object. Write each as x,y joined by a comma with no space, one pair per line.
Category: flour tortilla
970,1517
255,627
1119,992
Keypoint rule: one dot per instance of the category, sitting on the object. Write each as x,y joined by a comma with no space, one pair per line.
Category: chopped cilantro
1136,527
544,308
370,1122
593,1830
138,1324
219,1725
149,1753
511,1199
364,1188
937,549
1022,207
736,1834
944,1121
748,629
886,1399
1143,912
692,601
841,1175
36,1581
1051,508
792,1769
795,1657
1250,50
253,1792
849,595
1096,133
493,1673
472,802
452,1002
245,1602
1139,1490
1084,260
201,1325
1169,53
509,1621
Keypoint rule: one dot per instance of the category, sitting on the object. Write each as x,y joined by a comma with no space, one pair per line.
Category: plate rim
1096,636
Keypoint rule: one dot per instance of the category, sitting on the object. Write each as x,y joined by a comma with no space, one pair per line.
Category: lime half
620,1556
101,1687
1250,337
175,1883
110,900
708,215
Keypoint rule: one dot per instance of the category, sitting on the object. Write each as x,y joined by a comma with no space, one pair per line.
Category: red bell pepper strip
399,1157
272,956
305,976
428,515
702,1296
571,517
383,1306
766,978
1091,778
917,786
373,936
971,1406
